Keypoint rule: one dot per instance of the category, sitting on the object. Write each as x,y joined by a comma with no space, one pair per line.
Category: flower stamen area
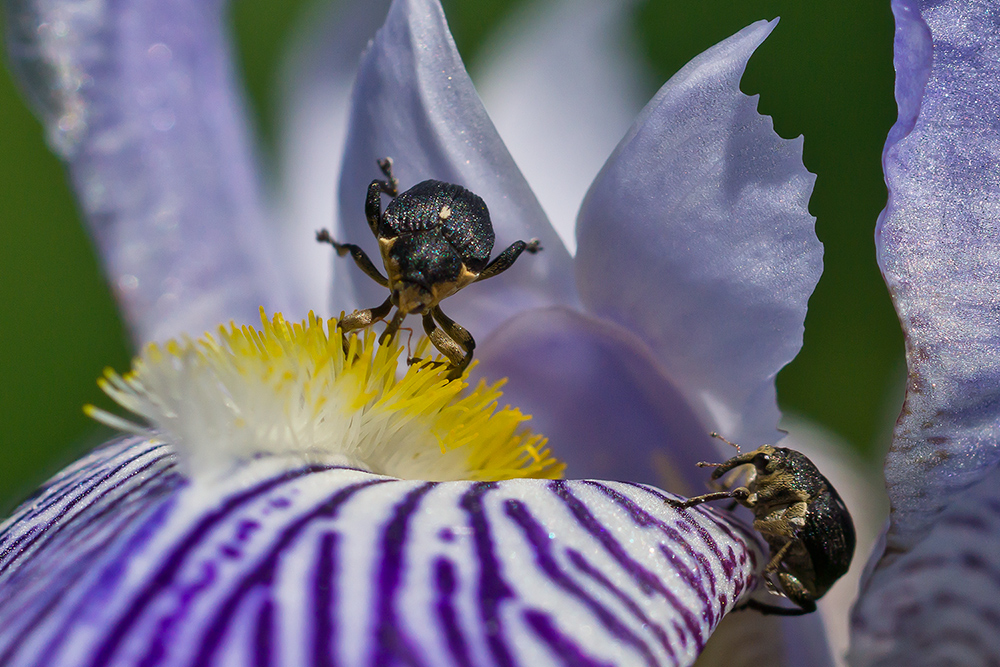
306,391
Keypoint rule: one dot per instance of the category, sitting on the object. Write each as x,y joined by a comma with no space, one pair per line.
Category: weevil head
413,298
766,459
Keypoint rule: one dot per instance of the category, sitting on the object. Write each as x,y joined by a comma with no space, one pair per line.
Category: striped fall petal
121,560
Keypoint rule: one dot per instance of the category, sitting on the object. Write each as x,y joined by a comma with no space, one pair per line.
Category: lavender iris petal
140,99
413,101
696,235
932,598
119,561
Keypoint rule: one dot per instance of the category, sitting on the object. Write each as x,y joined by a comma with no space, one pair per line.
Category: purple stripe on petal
329,567
444,579
262,575
566,649
580,562
541,546
324,622
392,646
646,579
492,590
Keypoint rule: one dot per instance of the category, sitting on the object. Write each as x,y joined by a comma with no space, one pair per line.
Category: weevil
800,515
435,239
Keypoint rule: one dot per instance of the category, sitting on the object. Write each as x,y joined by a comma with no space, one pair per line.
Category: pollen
309,393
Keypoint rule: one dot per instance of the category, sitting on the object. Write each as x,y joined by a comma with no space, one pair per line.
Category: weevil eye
761,460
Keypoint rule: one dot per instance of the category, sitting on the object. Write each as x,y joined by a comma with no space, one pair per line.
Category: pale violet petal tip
317,79
414,102
120,561
938,249
139,98
562,83
697,236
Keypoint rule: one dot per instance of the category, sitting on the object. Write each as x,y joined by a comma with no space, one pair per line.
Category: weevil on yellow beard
435,239
807,527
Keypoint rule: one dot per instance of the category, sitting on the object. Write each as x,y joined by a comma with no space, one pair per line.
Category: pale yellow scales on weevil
291,389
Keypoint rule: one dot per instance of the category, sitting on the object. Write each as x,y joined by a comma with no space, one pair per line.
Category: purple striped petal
139,99
932,598
119,561
939,604
413,101
696,236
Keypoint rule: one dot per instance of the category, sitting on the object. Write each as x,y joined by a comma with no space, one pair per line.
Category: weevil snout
413,298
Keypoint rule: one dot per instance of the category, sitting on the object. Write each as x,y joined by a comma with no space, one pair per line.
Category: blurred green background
825,72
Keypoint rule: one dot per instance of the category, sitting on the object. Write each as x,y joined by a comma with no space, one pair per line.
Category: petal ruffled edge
696,235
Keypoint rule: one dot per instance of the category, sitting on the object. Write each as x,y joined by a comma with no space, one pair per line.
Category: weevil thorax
435,239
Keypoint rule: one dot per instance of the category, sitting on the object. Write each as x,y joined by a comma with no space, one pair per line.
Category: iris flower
282,504
933,596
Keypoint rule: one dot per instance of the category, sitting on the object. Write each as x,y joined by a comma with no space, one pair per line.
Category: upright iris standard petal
933,597
316,82
696,235
563,85
120,562
600,398
414,102
139,99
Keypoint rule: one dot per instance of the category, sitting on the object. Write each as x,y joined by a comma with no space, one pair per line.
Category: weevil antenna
715,435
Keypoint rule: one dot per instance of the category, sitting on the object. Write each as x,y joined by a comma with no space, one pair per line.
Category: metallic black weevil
435,239
804,521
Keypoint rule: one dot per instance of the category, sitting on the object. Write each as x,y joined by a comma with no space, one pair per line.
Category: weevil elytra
435,239
798,512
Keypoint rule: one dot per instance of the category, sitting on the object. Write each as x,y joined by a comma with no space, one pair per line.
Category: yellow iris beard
291,389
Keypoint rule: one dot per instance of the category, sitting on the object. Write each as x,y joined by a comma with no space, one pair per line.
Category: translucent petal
120,561
605,404
940,254
562,83
414,102
139,99
696,236
318,78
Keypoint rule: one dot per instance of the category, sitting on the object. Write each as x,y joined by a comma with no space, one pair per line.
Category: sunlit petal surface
696,235
562,83
933,599
120,561
139,99
414,102
318,77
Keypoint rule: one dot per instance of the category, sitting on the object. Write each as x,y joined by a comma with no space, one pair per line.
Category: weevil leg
505,260
393,326
772,565
360,257
373,202
784,521
451,339
775,610
360,319
739,494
